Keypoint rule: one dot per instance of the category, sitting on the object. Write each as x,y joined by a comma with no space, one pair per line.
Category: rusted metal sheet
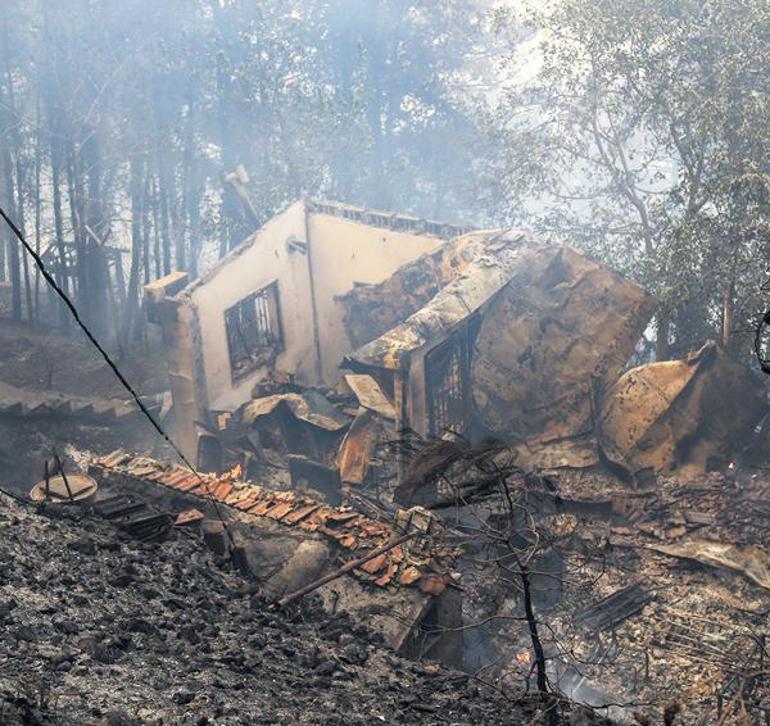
309,406
489,259
749,560
681,414
556,336
370,395
358,447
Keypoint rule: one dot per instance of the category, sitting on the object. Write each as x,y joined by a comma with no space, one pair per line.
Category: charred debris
458,416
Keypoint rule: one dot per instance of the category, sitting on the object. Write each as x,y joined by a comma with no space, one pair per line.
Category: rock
326,668
119,717
123,580
190,634
68,627
26,633
215,536
183,697
84,546
139,625
6,606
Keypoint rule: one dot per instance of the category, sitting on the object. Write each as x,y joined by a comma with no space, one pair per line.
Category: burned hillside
388,361
458,457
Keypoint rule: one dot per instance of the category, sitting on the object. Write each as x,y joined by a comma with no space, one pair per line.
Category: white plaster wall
265,259
343,252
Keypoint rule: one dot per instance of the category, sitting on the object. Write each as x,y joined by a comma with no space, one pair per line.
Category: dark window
254,331
446,372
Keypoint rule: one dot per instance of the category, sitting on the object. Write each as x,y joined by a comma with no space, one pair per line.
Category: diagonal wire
142,407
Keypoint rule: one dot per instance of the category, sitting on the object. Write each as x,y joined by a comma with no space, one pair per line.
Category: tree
501,517
642,139
145,108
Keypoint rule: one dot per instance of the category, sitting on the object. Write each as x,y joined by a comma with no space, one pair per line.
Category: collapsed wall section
275,255
344,254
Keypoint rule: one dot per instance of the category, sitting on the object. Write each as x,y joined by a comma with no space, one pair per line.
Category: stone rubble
101,629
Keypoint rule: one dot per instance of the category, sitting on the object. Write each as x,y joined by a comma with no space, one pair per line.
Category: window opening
253,329
446,371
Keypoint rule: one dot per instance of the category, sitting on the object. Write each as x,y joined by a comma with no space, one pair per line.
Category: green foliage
643,138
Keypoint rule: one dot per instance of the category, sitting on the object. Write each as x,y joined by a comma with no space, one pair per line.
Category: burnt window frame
258,354
462,339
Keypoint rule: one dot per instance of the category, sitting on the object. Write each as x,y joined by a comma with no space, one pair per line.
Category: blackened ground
98,629
70,364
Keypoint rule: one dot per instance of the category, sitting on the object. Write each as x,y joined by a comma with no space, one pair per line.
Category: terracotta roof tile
189,516
388,576
375,564
190,482
351,529
299,514
223,489
280,510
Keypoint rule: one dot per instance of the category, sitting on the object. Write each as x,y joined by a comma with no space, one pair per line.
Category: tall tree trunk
165,234
190,206
12,242
14,141
21,225
37,200
75,193
662,347
95,231
146,224
62,269
155,227
728,314
132,303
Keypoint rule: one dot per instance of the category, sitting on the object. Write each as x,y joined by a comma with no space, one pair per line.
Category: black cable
63,295
71,306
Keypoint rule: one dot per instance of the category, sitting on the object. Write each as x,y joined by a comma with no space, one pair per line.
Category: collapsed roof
553,330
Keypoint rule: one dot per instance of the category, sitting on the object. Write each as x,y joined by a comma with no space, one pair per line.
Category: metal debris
681,414
310,406
370,395
749,560
615,608
560,331
77,488
359,446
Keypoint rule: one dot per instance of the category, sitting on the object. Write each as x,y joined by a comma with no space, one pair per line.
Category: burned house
334,329
440,330
454,330
271,306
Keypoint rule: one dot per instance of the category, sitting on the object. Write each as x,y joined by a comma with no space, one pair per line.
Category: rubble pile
98,629
353,531
696,636
506,358
662,598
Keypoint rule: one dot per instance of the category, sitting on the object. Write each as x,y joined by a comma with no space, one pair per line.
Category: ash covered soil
99,629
